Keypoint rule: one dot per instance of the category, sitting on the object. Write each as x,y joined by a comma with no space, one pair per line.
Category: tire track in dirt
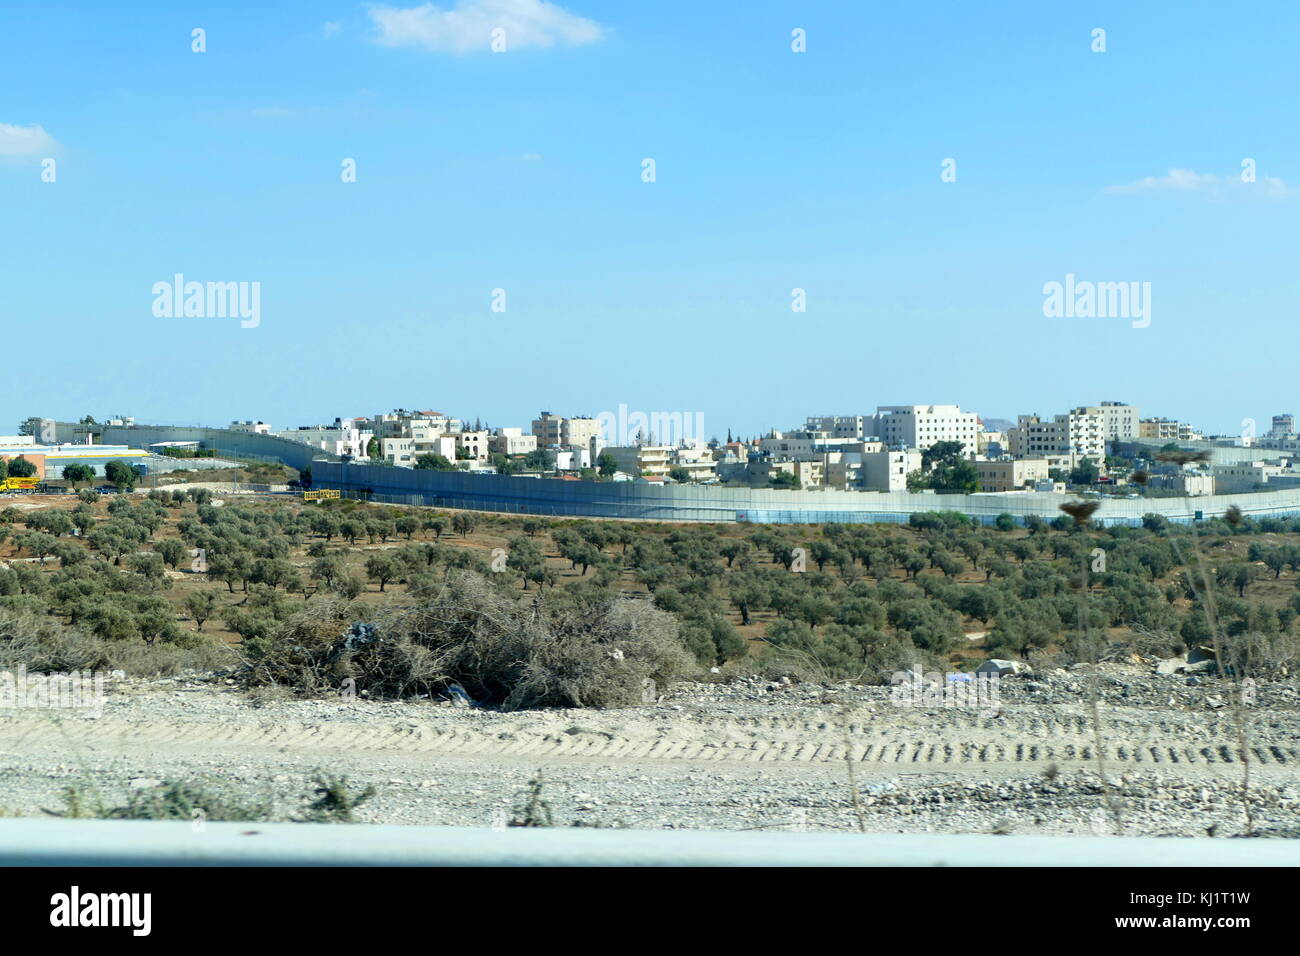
725,740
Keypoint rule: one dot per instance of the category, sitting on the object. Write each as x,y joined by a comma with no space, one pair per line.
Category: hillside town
916,448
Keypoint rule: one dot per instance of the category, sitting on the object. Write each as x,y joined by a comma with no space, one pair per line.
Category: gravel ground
742,754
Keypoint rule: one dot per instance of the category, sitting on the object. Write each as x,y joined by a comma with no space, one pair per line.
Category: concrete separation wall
223,440
722,503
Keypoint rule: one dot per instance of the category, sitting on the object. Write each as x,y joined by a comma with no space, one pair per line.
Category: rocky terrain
740,754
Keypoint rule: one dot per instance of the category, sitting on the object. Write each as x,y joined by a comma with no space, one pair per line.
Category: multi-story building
405,450
572,459
642,459
1121,420
398,451
801,445
842,426
512,441
582,432
473,445
1283,426
1167,429
341,438
699,469
556,431
843,471
888,470
810,474
920,426
401,423
549,430
1076,435
697,459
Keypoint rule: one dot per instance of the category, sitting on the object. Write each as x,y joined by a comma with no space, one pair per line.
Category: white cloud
468,26
331,27
25,141
1273,188
531,157
1186,180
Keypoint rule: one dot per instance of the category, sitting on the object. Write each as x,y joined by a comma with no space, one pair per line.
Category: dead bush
502,652
44,646
1262,655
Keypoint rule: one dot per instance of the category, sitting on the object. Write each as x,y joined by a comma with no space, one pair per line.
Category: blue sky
522,170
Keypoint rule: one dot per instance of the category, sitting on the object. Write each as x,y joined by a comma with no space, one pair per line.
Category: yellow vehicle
20,484
320,494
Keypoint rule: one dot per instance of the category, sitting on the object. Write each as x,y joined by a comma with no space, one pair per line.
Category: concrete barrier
32,842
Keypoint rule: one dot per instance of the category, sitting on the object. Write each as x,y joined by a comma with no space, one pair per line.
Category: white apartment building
1075,435
805,446
842,426
427,433
574,433
642,459
398,451
888,470
1121,421
401,423
697,458
580,433
920,426
341,438
512,441
444,445
572,459
404,450
473,446
811,474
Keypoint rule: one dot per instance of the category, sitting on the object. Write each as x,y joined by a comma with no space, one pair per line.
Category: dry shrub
164,660
44,646
1262,655
467,632
304,653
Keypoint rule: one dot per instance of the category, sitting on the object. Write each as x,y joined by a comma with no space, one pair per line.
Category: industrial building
50,460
